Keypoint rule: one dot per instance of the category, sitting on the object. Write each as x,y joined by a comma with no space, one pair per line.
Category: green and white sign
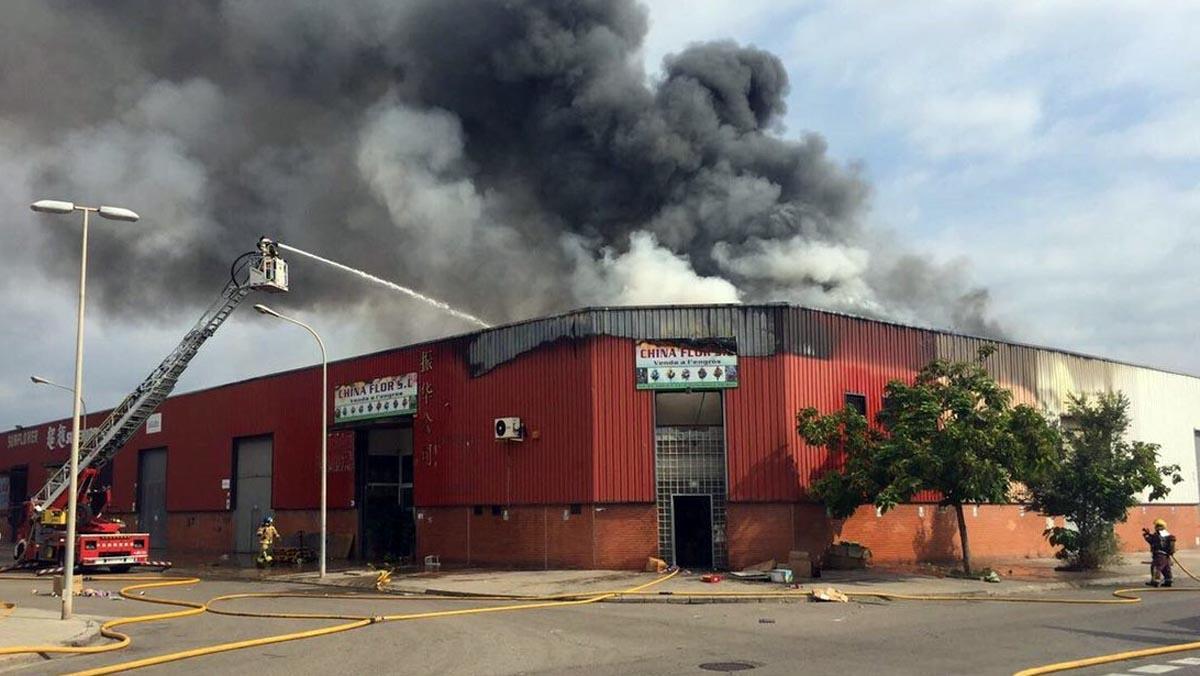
685,365
379,398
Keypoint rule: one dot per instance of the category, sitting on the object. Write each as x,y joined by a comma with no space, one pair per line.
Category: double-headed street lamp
263,309
113,214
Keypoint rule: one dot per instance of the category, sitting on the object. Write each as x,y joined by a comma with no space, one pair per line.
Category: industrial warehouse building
631,432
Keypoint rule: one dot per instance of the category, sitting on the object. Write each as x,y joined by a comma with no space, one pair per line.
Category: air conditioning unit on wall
509,429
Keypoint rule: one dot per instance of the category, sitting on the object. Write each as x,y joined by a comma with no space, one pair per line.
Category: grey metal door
152,495
252,484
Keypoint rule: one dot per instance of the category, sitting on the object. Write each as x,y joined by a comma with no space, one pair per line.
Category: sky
1050,151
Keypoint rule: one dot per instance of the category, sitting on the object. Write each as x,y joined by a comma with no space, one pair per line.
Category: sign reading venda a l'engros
378,398
670,365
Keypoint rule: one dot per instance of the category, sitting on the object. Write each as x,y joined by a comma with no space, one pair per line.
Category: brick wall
625,536
622,536
1183,521
206,533
908,533
340,524
607,536
211,533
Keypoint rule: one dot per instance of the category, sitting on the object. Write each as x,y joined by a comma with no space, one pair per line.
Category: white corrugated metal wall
1164,407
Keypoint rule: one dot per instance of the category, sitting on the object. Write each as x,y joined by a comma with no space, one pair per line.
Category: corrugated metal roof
760,330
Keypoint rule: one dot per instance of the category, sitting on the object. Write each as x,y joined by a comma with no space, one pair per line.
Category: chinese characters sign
685,365
22,438
58,436
379,398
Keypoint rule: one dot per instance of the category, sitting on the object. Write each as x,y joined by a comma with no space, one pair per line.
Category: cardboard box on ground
76,582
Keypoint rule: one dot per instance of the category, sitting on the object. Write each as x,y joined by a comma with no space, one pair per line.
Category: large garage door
252,490
152,495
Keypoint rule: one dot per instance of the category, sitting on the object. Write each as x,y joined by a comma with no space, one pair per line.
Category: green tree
954,430
1097,479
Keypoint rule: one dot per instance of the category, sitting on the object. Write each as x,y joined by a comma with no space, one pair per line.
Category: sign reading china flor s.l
686,365
378,398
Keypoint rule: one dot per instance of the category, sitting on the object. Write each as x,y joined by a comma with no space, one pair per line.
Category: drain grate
728,666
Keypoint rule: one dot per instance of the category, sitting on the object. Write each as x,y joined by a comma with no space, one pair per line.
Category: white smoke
646,274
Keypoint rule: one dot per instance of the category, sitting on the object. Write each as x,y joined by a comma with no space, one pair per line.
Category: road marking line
1189,661
1154,669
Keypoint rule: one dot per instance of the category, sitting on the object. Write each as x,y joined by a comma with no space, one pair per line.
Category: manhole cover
728,666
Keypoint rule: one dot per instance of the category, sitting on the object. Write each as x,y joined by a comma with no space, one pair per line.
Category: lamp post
113,214
263,309
38,380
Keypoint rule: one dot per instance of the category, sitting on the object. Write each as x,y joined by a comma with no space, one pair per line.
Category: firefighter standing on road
1162,547
266,541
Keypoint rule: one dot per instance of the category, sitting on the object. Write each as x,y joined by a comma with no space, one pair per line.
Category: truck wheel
19,550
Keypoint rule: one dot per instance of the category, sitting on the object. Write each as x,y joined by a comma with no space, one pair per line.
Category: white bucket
781,575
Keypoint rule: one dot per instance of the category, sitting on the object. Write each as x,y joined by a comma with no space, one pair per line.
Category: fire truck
101,541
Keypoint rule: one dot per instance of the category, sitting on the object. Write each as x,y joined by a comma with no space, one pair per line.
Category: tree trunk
962,537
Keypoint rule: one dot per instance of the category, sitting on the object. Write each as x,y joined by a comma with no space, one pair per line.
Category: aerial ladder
41,539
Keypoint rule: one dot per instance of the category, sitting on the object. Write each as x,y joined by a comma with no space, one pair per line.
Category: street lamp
263,309
113,214
38,380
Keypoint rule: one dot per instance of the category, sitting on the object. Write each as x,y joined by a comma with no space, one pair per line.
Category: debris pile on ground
757,571
828,594
847,555
654,565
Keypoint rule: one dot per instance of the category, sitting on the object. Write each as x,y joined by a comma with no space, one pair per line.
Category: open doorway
387,526
692,516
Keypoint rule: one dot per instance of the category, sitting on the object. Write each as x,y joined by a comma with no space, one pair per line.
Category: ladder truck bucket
268,272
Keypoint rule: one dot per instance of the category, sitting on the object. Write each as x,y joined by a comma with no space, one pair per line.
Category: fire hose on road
349,621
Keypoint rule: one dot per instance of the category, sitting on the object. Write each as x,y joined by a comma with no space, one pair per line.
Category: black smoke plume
510,157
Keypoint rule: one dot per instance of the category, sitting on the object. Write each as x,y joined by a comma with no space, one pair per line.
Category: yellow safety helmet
1159,523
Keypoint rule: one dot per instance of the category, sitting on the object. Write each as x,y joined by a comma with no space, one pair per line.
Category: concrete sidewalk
1024,576
23,626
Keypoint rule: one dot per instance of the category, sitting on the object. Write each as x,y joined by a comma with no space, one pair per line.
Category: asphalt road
876,637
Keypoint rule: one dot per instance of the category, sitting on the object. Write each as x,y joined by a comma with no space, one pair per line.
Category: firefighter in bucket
266,542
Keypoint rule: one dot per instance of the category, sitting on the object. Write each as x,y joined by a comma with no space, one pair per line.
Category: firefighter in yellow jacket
266,542
1162,548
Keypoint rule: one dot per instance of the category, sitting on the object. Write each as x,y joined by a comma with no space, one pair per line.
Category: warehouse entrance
387,524
693,530
689,477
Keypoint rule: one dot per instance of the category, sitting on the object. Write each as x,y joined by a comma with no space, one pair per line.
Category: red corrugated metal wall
459,462
199,430
623,431
759,464
594,430
862,358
